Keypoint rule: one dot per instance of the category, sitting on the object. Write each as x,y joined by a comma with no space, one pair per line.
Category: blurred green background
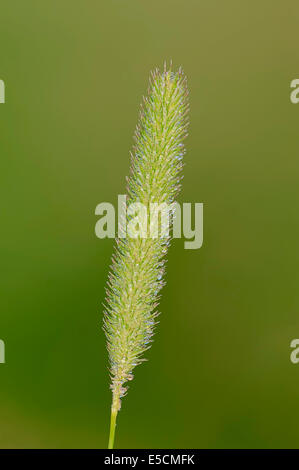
219,373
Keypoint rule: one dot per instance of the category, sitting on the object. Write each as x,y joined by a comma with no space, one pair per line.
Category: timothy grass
138,264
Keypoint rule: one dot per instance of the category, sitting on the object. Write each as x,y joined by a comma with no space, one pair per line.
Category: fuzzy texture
138,264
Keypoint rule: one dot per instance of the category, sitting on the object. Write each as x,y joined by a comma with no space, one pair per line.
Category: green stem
114,411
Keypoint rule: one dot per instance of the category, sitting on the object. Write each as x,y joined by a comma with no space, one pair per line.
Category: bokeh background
219,374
